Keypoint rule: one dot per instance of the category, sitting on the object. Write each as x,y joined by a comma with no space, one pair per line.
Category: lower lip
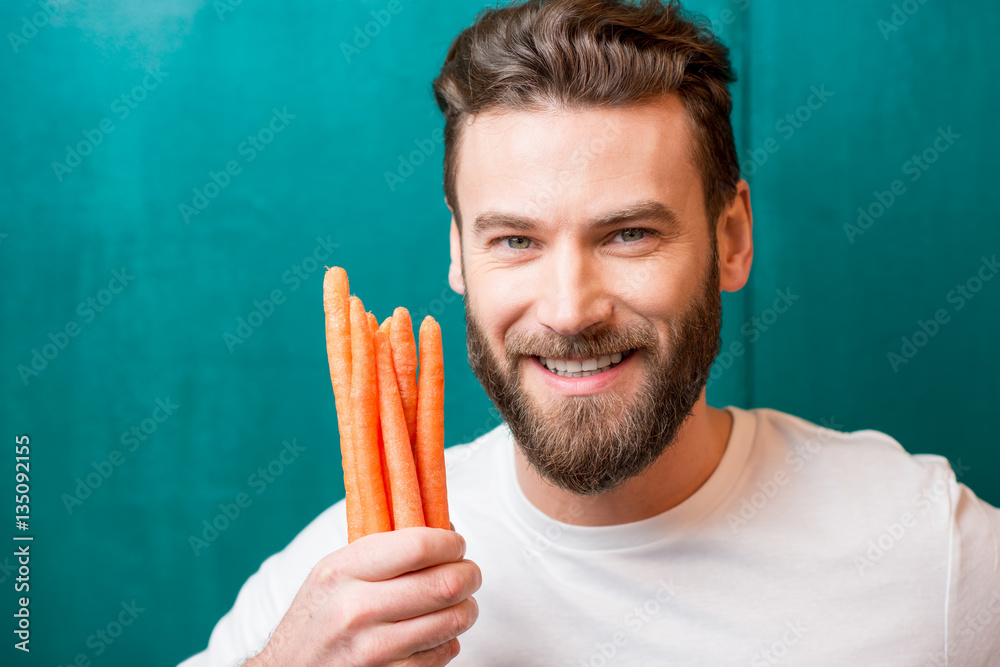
588,384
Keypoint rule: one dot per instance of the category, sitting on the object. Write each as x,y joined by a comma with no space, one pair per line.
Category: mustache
598,342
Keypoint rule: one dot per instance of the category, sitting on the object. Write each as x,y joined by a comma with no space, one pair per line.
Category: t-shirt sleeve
245,629
265,597
973,612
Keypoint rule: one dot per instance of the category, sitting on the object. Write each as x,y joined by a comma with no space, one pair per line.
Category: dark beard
592,444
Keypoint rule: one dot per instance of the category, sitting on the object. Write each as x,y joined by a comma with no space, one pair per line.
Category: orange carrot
373,323
430,426
385,475
402,478
404,356
365,422
385,328
336,293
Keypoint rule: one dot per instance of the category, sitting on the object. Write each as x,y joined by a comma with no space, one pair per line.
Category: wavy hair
580,54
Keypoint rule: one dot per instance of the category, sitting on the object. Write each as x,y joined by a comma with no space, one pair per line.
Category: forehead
577,165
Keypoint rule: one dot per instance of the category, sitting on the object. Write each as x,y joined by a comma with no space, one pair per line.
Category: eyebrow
648,210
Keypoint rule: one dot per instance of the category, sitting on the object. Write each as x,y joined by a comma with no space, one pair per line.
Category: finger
382,556
439,655
429,590
425,632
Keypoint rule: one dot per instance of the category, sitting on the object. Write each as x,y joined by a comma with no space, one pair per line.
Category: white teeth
582,368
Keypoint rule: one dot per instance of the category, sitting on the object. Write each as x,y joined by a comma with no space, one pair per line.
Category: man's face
591,284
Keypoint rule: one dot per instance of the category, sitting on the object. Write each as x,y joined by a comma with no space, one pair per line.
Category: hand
395,598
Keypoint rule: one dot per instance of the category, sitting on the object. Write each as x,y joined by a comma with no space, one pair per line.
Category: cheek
659,294
654,292
499,304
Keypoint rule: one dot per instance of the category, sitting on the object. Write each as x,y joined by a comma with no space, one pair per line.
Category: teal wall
320,187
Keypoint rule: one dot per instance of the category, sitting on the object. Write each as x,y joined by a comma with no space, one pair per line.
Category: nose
573,297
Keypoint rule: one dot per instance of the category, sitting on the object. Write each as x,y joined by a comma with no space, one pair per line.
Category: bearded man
614,517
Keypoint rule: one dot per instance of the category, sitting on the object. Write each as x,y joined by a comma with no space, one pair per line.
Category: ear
455,278
734,234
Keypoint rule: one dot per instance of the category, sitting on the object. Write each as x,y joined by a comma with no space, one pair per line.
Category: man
616,518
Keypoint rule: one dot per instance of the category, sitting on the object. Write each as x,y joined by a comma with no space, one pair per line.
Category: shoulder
864,479
868,477
863,460
890,522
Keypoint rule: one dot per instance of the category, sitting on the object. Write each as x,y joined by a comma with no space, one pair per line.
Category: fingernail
463,546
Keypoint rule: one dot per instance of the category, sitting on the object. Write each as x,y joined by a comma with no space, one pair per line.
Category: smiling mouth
578,368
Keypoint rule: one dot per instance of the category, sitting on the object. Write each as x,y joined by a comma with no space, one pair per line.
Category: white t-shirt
806,546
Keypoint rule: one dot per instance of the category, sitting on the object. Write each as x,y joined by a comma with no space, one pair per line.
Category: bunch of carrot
391,420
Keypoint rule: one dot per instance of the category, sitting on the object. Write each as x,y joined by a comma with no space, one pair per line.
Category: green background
324,177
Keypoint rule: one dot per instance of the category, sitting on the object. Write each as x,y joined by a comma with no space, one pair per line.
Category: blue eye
631,235
518,242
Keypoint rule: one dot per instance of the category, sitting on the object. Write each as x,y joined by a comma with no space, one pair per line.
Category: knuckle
477,575
356,612
419,546
371,650
348,624
458,620
472,612
329,569
440,655
450,585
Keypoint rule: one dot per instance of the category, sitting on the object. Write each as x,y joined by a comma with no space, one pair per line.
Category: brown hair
579,54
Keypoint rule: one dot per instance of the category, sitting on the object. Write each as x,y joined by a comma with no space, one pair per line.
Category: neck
680,471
